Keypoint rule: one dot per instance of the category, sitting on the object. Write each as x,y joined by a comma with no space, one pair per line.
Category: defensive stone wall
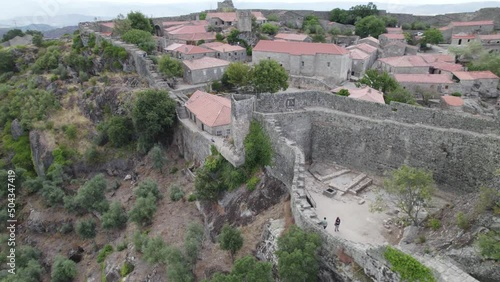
462,151
142,64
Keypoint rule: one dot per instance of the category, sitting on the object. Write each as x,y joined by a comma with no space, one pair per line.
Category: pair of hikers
324,223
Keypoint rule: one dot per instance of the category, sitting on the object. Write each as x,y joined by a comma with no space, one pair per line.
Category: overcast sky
39,10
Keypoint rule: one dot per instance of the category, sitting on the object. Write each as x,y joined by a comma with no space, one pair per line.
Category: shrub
489,199
343,92
258,149
230,239
176,193
52,194
143,210
193,241
155,251
170,67
269,28
157,158
489,245
192,198
115,217
90,197
122,246
434,223
273,18
252,183
143,39
456,94
33,185
63,270
408,267
66,228
462,221
71,132
146,188
104,252
126,269
173,170
120,131
140,240
86,228
421,239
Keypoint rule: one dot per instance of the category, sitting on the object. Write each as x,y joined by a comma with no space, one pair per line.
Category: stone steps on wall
361,186
356,181
333,175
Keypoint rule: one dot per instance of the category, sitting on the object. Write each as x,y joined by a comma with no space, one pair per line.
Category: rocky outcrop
44,222
16,129
241,207
41,152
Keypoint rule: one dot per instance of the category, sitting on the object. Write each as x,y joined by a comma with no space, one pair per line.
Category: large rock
16,129
40,151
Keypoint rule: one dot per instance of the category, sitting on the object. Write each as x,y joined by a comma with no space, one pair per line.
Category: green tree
90,196
311,24
363,11
170,67
370,26
157,158
37,40
143,39
120,131
7,62
319,37
471,52
487,61
390,21
380,81
115,217
232,38
63,270
121,25
247,269
489,245
298,255
432,36
11,34
52,194
400,95
230,239
203,16
155,251
410,190
269,28
154,116
146,188
139,21
238,74
258,148
343,92
269,76
193,241
143,211
339,16
86,228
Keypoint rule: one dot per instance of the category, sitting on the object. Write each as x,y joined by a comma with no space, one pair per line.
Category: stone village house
306,59
210,113
232,53
204,70
188,52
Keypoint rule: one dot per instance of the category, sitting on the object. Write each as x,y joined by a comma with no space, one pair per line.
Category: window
328,64
235,53
228,131
269,58
446,87
219,133
302,63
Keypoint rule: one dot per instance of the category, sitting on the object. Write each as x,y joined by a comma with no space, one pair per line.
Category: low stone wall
309,83
191,143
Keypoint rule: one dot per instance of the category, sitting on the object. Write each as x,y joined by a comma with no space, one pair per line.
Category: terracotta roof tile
196,36
204,63
186,29
365,48
394,30
423,78
291,36
447,66
190,49
490,37
473,75
108,24
227,17
210,109
405,61
174,23
372,39
453,101
357,54
223,47
299,48
431,58
472,23
365,93
395,36
463,36
259,16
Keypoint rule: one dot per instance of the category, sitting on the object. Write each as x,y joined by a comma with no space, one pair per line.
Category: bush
155,251
273,18
115,217
269,28
126,269
71,132
48,61
176,193
104,252
140,240
143,39
434,224
421,239
192,198
489,199
143,210
63,270
230,239
120,131
193,242
66,228
90,197
157,158
86,229
408,267
7,62
462,221
258,149
173,170
343,92
146,188
122,246
252,183
489,245
170,67
52,194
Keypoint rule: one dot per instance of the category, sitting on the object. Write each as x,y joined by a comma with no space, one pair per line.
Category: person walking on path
323,223
337,223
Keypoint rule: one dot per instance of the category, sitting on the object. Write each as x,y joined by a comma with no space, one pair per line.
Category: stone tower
224,6
241,116
244,21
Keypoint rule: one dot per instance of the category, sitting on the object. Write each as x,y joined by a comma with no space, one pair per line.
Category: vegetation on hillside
354,14
266,76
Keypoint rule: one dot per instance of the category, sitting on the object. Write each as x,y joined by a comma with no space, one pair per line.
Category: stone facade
244,21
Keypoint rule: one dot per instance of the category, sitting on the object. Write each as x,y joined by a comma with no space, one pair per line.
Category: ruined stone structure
224,6
244,19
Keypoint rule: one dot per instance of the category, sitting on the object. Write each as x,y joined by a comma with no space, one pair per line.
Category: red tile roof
423,78
299,48
371,38
223,47
174,23
291,36
357,54
227,17
490,37
186,29
405,61
365,93
472,23
259,16
205,63
190,49
453,101
196,36
394,30
463,36
210,109
108,24
364,47
395,36
447,66
431,58
473,75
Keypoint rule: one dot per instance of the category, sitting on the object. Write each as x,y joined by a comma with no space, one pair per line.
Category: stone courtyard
340,192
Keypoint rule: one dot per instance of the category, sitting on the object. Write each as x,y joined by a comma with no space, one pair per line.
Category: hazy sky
41,10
